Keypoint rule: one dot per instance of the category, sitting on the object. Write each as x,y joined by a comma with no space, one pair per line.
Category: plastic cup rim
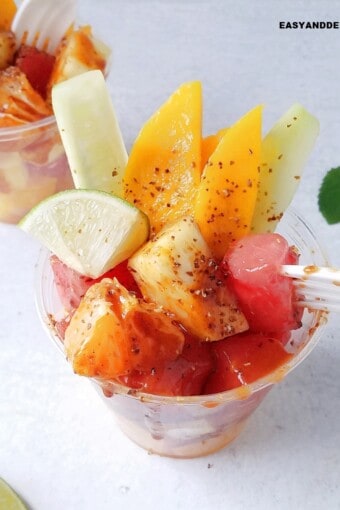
15,131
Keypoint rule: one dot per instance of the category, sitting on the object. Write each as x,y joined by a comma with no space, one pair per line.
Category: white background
59,446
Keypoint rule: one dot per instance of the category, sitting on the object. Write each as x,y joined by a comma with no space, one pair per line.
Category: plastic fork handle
312,272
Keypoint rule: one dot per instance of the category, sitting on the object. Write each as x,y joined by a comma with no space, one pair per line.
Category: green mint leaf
329,196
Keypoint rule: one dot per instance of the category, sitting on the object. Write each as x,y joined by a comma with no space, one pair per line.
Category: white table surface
59,446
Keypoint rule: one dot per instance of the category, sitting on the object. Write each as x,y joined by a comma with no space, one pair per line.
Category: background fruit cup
33,166
187,427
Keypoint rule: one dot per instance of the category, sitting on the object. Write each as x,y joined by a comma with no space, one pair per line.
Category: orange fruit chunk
227,192
77,53
19,102
113,332
7,12
164,167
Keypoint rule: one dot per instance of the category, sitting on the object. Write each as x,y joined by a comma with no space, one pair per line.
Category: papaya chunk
164,167
226,196
112,333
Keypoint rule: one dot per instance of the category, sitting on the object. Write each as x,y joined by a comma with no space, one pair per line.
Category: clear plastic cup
187,427
33,166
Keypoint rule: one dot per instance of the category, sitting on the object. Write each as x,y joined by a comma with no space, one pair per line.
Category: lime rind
90,231
9,500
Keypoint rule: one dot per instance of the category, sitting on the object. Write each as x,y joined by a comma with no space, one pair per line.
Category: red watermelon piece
186,375
37,66
266,297
72,285
244,358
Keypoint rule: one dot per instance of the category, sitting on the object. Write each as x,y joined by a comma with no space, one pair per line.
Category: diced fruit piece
164,166
177,271
227,192
19,102
7,48
285,150
184,376
265,296
242,359
14,174
72,285
37,66
78,52
90,132
209,144
15,204
7,12
113,333
90,231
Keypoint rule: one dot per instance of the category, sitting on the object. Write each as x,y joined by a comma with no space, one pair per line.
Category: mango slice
164,167
227,192
209,144
7,12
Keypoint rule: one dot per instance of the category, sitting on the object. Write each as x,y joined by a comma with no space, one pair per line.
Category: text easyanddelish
316,25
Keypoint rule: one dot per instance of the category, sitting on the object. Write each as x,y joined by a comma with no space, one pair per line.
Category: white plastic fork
319,287
42,23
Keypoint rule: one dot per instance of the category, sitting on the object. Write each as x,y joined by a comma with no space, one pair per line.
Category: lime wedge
8,499
90,132
90,231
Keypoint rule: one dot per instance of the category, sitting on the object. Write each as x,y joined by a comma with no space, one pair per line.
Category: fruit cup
188,427
33,166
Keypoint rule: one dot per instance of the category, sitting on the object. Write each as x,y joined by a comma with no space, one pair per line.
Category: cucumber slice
90,132
285,151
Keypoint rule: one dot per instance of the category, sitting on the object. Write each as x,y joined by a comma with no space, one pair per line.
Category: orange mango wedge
226,197
209,144
164,167
7,12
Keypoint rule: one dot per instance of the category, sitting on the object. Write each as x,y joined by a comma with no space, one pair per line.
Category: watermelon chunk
244,358
186,375
72,285
265,296
37,66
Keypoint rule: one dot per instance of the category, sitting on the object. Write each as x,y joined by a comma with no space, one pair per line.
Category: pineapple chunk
177,271
7,48
77,53
19,102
